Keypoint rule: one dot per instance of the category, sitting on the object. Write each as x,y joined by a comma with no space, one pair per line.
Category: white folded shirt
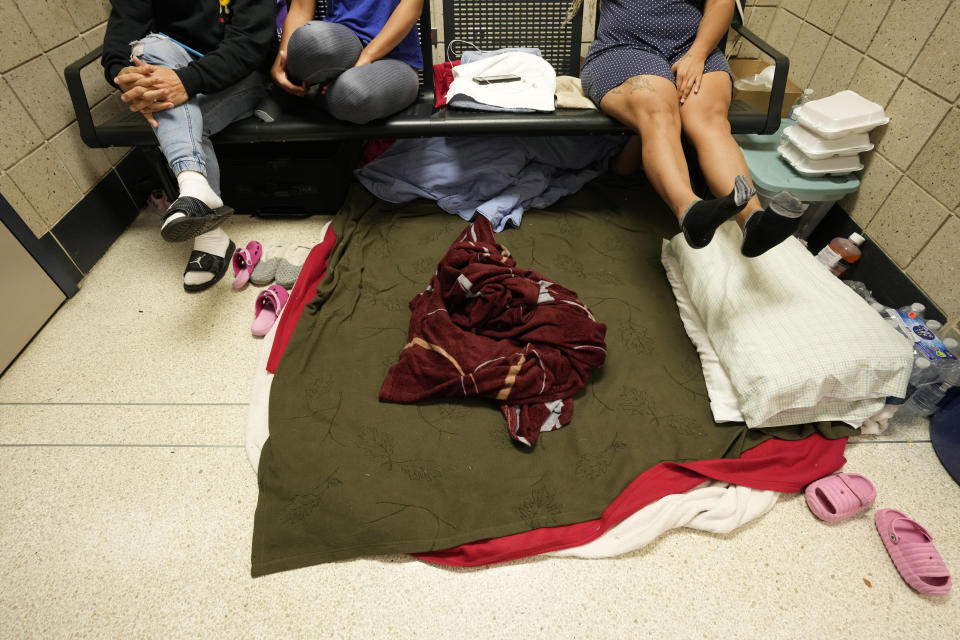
534,90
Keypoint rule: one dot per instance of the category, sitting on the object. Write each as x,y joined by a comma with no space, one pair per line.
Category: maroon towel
486,328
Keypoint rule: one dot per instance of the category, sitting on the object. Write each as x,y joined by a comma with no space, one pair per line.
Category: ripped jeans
184,131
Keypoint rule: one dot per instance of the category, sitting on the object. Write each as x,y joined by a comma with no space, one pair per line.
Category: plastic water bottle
802,100
918,309
923,373
926,399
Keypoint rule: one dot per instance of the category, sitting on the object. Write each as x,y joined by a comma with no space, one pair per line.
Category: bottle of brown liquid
841,253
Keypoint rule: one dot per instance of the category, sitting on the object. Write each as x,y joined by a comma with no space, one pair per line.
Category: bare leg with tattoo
651,106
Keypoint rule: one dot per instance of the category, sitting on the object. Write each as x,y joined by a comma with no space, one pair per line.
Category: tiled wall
45,169
904,55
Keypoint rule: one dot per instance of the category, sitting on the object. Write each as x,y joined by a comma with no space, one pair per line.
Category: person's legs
705,123
179,130
183,134
219,110
320,51
650,105
372,91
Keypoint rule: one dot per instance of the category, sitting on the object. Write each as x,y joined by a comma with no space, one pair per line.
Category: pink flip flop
244,260
839,496
269,303
911,548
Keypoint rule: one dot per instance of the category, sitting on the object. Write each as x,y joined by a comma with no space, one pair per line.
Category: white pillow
797,344
723,398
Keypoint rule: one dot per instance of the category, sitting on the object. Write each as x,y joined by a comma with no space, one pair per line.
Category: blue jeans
184,131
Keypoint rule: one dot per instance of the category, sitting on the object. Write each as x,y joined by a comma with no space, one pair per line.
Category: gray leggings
325,52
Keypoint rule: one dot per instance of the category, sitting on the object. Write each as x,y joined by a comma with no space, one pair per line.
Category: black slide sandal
208,263
197,219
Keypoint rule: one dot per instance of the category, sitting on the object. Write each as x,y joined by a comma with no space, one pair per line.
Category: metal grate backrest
495,24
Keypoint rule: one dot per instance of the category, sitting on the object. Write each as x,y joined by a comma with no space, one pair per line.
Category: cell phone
509,77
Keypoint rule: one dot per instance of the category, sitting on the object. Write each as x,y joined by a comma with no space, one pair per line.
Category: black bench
512,23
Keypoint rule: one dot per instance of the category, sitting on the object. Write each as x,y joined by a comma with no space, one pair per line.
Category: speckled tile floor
127,507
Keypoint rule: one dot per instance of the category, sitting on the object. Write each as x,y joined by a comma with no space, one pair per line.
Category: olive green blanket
343,475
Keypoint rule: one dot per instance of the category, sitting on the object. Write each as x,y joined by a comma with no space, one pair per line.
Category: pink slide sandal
269,303
911,548
244,260
839,496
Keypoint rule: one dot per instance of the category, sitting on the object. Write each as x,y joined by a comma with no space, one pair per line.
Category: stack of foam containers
832,133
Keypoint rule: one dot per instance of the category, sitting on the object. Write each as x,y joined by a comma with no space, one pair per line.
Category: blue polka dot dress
642,37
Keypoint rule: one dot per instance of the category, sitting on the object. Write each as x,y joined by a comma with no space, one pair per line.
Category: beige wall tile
859,22
914,114
22,206
806,52
903,31
110,108
94,81
85,165
17,42
66,53
50,21
906,221
937,167
18,133
758,20
875,82
43,93
825,13
938,65
796,7
937,268
877,180
91,75
95,35
46,183
783,30
87,14
836,69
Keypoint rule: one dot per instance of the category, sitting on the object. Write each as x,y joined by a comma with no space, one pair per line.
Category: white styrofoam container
807,167
842,114
817,148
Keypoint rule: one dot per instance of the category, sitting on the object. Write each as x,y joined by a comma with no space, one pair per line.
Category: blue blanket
498,178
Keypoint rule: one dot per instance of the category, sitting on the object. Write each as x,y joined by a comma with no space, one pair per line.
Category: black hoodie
234,44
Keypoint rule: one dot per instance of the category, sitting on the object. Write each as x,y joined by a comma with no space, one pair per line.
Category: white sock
214,242
195,185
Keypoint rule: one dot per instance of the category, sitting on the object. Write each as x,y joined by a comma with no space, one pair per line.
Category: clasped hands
148,88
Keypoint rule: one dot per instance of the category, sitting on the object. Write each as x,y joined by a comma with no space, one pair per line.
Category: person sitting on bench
656,67
358,63
191,68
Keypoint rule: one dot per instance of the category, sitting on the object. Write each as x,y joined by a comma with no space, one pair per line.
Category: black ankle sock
702,218
766,228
